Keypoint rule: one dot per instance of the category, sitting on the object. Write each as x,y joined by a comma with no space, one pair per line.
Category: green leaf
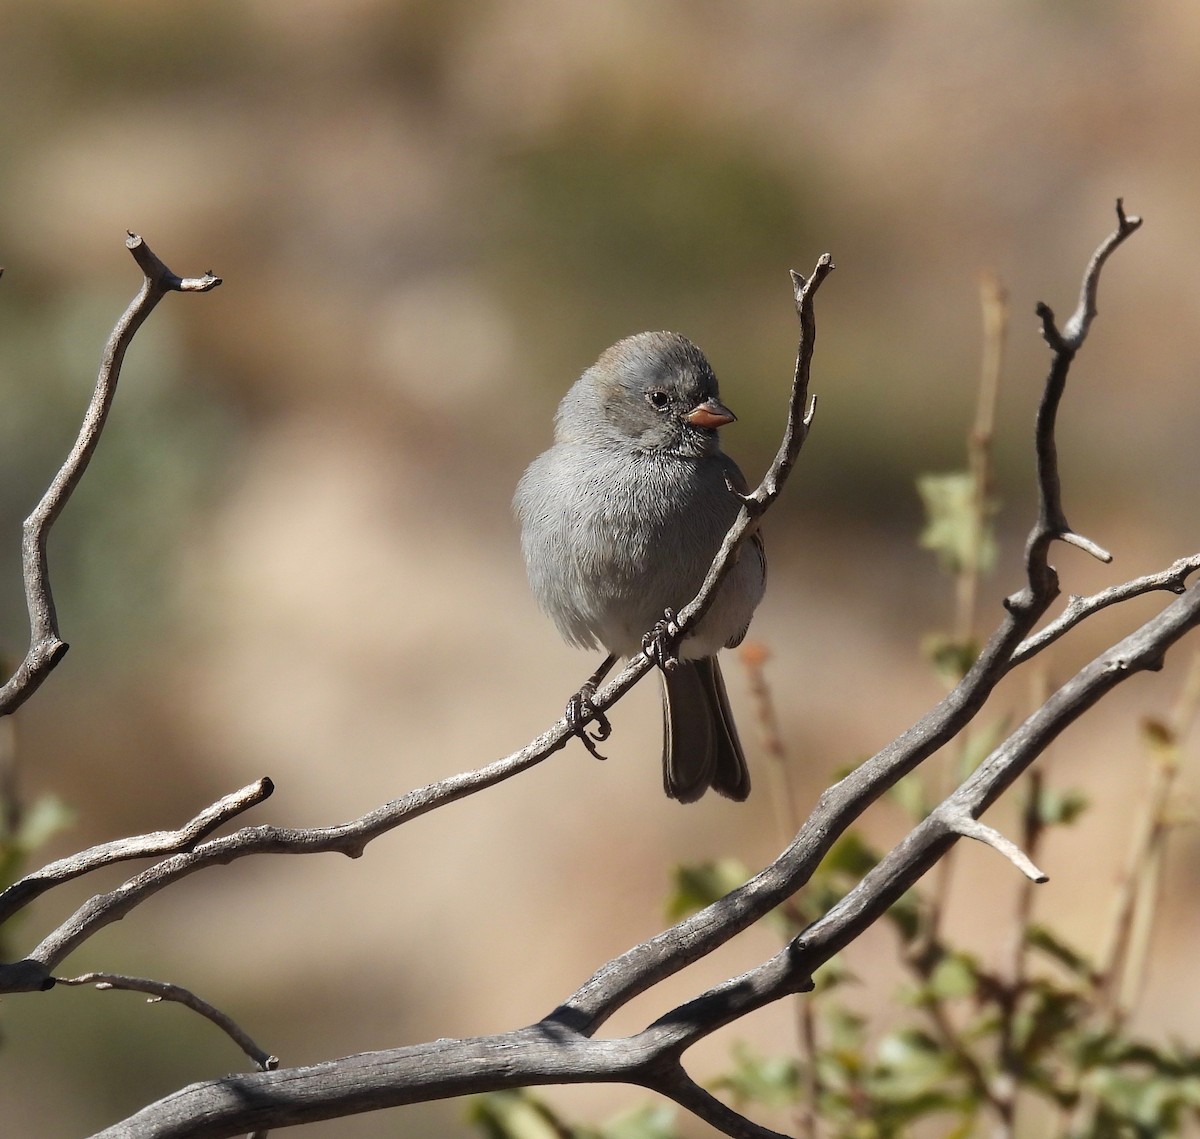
45,818
1059,808
952,531
515,1115
698,886
773,1081
39,823
851,856
951,659
955,975
909,794
980,742
650,1121
906,914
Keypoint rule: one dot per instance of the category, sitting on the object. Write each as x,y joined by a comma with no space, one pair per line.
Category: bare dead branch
46,646
370,1081
165,991
1052,521
153,845
1076,329
1173,579
1141,651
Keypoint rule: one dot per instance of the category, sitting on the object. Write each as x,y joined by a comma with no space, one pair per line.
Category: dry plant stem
966,826
801,410
46,647
1137,968
1173,580
693,1098
438,1070
1012,983
754,655
800,415
994,303
1142,650
809,1115
1121,968
551,1052
165,991
1064,344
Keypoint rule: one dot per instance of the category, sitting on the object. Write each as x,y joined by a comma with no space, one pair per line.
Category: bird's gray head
654,391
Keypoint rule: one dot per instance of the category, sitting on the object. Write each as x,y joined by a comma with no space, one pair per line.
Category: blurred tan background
294,553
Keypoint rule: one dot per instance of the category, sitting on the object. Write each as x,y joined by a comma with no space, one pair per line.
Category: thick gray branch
370,1081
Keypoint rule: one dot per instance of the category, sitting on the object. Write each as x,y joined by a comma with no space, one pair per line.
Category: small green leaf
1060,808
515,1115
38,824
906,915
1161,740
42,821
851,855
955,975
701,885
979,745
909,794
773,1081
952,530
951,659
650,1121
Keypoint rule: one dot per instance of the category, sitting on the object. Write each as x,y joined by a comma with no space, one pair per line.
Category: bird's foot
661,644
581,712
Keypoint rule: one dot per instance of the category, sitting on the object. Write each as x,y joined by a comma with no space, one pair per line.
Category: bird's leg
662,642
581,711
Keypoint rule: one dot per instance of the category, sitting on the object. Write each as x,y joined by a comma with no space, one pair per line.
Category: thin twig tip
1087,545
1126,223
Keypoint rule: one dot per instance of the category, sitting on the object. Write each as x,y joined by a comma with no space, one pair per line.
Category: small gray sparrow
620,521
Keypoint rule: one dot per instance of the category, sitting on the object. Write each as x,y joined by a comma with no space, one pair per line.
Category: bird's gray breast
612,538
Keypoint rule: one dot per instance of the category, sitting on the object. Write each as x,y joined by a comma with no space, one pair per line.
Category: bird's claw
661,643
581,712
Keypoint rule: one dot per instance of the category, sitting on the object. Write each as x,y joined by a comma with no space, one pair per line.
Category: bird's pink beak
709,414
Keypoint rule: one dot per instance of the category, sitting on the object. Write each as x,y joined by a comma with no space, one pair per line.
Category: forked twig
165,991
46,646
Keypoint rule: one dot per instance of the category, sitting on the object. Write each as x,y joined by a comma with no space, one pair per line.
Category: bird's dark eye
658,400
